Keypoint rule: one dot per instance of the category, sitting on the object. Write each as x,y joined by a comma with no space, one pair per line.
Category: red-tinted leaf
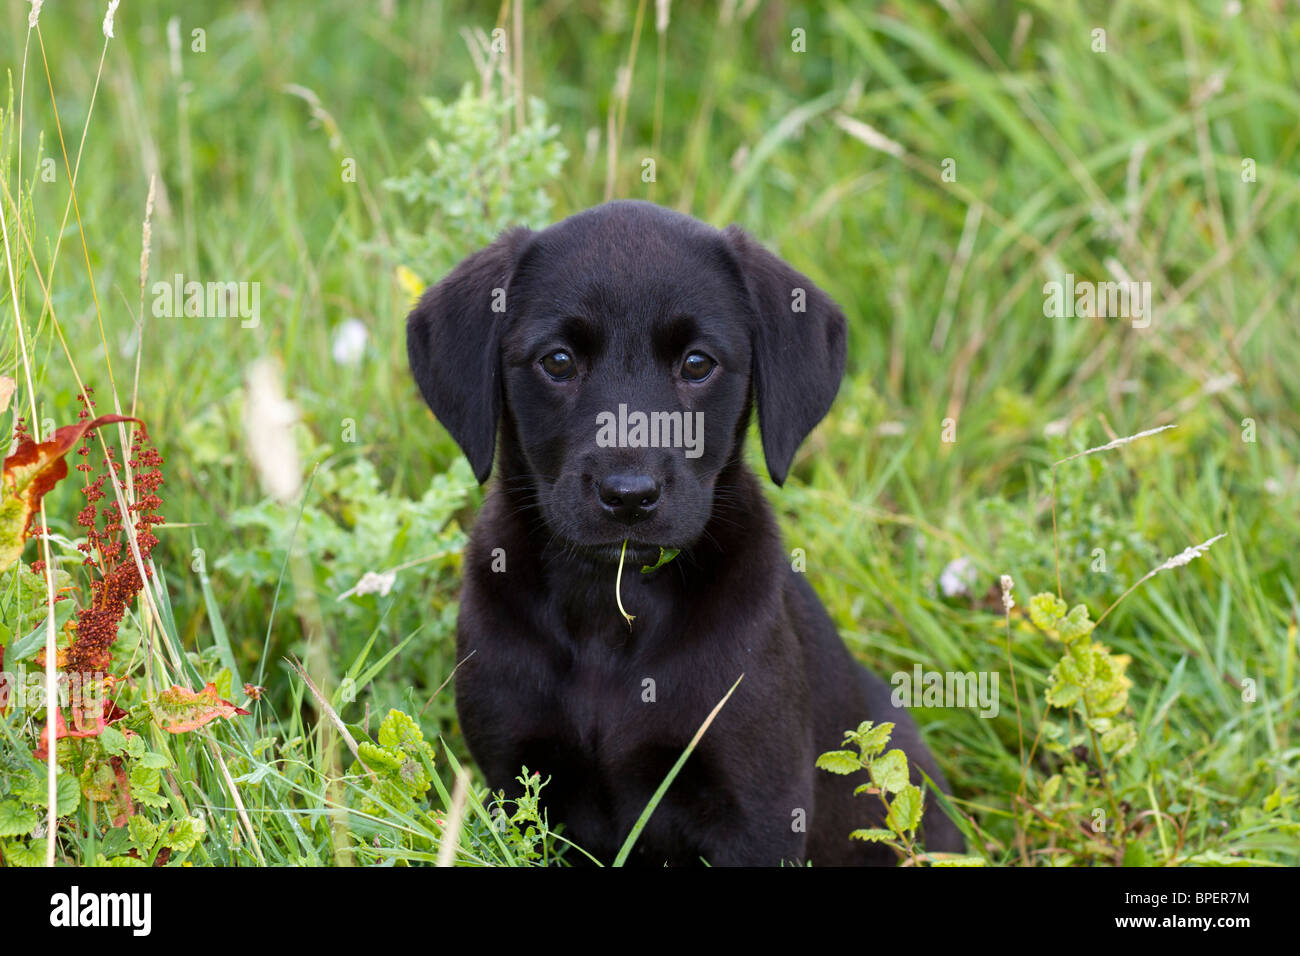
62,730
179,709
29,473
114,713
84,724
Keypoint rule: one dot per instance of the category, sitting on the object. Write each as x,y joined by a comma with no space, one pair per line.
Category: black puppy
555,341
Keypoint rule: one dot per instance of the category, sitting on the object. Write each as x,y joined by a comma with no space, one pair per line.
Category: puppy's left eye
697,367
559,365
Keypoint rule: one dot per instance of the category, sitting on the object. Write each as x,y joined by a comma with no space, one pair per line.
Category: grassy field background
930,165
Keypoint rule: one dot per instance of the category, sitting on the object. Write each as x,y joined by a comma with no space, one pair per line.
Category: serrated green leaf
135,747
145,778
186,834
872,739
1080,663
33,789
400,732
873,836
889,771
16,819
112,740
1063,695
379,758
1075,624
1046,611
1108,693
17,853
839,761
155,761
144,833
905,809
150,798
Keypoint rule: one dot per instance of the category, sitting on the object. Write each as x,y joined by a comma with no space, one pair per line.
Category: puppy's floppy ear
799,349
453,337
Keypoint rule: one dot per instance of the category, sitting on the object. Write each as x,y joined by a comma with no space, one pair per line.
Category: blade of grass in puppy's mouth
618,588
637,554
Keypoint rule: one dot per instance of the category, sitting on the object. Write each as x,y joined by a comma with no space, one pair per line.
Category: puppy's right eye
559,365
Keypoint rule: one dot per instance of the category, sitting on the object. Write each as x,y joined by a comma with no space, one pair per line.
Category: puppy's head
617,352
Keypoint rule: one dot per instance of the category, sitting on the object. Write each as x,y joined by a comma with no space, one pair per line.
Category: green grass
1066,159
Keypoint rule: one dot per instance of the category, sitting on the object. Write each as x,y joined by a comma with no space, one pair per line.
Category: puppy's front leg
771,831
747,817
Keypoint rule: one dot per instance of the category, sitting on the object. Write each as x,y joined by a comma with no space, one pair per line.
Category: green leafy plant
902,803
1079,807
1088,678
23,611
522,822
485,177
110,781
400,764
380,563
350,527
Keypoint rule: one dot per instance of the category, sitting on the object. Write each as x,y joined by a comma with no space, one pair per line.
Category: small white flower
958,577
372,583
1185,557
1115,443
350,342
108,18
1178,560
1008,602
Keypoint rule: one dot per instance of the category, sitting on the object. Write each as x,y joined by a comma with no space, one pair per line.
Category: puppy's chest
611,692
605,692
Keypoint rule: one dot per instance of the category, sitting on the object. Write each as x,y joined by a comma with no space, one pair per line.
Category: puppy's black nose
628,498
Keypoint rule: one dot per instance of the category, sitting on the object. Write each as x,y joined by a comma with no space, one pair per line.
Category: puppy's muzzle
628,498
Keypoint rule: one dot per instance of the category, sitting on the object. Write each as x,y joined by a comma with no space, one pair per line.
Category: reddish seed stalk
115,579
